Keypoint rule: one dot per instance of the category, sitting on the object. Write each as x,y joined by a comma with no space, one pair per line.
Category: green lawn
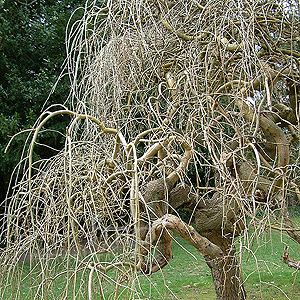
188,277
266,277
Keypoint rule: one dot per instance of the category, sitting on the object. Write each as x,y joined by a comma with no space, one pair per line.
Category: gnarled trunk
210,223
226,271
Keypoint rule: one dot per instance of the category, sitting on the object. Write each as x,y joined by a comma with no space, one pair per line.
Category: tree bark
226,271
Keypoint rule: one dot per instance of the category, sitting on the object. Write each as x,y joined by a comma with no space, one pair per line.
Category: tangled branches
160,88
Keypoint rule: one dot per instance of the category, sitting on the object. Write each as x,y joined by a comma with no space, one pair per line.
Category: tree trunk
226,272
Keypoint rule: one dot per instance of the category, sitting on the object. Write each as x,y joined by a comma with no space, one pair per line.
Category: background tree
32,51
158,87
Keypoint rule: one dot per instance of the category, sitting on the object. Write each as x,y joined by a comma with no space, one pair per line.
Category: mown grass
266,277
188,277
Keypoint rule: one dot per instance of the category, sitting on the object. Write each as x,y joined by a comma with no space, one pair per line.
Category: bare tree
159,87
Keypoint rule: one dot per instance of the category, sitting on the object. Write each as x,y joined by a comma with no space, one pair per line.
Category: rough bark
226,272
219,214
171,222
181,196
287,260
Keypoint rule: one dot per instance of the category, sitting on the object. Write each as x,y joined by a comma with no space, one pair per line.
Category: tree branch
202,244
290,262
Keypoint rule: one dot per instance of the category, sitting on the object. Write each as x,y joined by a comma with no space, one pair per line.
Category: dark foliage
32,51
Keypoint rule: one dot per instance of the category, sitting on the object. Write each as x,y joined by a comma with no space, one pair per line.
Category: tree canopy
185,104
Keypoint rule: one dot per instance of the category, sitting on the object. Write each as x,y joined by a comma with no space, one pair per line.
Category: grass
188,277
266,277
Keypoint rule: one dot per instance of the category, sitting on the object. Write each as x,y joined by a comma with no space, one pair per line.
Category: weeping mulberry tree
186,104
